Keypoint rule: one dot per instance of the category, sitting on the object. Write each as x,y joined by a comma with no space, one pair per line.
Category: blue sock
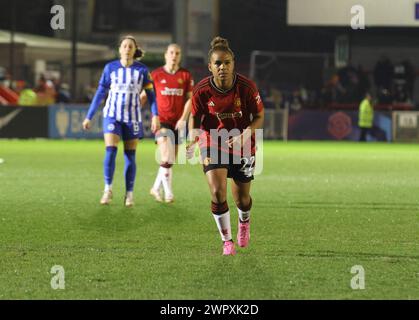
130,169
109,164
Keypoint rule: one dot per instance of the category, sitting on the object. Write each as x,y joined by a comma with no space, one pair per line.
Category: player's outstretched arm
193,136
186,111
100,94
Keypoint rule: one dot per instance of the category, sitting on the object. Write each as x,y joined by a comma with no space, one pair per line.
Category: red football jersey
171,91
228,110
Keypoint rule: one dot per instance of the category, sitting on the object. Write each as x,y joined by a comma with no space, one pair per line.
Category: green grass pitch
319,209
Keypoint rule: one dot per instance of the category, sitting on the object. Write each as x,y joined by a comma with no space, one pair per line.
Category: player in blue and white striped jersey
122,82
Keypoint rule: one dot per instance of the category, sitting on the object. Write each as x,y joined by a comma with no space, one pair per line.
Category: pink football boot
243,235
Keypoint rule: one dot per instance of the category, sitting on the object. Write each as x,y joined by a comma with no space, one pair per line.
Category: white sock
170,177
165,181
158,180
129,194
243,215
223,225
108,187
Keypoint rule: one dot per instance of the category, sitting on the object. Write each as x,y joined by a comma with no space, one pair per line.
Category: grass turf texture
319,209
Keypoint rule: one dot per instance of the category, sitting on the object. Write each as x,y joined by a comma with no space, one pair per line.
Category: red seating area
8,96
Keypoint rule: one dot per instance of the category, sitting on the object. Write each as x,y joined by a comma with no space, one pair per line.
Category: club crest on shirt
237,102
111,127
180,81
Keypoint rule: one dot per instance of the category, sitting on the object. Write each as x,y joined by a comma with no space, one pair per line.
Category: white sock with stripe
223,225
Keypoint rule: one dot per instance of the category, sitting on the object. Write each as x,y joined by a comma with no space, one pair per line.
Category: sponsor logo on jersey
211,103
228,115
124,88
172,92
258,99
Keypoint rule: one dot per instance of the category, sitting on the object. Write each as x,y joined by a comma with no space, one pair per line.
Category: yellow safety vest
366,114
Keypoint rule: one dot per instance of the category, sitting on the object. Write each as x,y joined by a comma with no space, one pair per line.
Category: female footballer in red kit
173,86
226,102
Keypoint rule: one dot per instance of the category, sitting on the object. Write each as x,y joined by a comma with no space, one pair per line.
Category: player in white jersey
122,81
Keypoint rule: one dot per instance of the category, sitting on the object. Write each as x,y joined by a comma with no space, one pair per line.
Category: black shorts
167,130
238,168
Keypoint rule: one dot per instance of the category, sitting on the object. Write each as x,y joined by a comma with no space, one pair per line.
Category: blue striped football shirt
123,86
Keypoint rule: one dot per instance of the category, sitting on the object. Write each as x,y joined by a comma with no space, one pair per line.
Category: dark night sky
31,16
261,25
248,24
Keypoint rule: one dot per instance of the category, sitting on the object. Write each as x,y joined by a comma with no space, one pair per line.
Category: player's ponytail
219,44
139,53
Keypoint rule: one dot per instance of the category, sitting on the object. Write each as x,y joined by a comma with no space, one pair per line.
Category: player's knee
218,195
244,202
166,164
129,156
167,158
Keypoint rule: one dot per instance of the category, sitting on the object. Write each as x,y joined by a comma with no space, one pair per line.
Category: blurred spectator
410,78
303,94
45,91
365,117
277,99
20,85
89,92
63,93
364,83
383,79
2,74
296,101
329,91
400,83
28,97
348,85
5,79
